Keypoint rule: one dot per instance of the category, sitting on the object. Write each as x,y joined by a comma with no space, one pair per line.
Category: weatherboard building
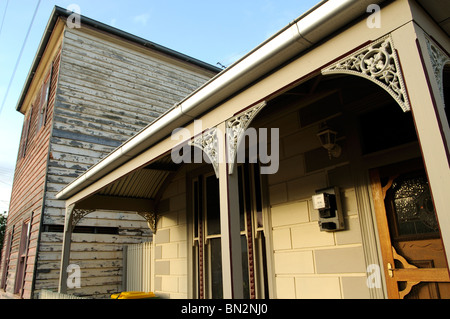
361,190
358,205
91,87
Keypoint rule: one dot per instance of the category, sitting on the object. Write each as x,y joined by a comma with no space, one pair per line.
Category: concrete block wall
309,263
170,243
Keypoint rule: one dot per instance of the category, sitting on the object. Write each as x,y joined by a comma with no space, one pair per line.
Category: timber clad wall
29,184
107,91
104,90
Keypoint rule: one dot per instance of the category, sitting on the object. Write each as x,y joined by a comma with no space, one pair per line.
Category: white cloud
142,19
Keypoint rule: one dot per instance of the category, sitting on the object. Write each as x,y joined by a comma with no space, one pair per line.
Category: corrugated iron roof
142,183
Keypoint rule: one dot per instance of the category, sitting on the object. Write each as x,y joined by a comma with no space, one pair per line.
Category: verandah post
65,256
427,107
229,223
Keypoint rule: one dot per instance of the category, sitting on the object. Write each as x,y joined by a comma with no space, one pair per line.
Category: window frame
252,232
26,132
22,256
45,99
202,243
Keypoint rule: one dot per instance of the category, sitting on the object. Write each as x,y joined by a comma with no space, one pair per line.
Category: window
44,99
253,242
83,230
410,208
23,256
25,132
40,106
207,235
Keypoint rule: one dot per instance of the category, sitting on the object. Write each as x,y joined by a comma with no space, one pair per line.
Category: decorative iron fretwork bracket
79,214
75,215
438,60
236,127
208,143
379,63
151,219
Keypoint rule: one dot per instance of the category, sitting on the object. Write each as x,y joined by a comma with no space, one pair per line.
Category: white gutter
310,28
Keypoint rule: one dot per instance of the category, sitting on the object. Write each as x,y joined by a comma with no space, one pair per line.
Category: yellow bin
134,295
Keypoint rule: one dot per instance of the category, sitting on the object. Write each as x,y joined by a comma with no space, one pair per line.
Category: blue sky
209,30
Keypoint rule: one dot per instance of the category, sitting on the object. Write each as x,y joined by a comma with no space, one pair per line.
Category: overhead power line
20,56
4,16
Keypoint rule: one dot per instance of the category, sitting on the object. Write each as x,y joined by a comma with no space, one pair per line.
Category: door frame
409,273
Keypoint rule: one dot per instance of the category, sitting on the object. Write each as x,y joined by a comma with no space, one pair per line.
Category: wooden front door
414,259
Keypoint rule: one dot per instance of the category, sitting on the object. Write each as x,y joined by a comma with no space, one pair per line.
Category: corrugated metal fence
138,267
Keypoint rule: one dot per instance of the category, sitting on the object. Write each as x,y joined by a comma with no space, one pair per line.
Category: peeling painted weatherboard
107,92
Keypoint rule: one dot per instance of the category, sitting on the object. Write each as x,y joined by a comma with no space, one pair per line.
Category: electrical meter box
328,203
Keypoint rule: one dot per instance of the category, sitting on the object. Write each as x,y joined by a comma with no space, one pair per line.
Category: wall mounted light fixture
327,139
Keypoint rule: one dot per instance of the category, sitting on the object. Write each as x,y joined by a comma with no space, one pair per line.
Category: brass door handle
390,270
